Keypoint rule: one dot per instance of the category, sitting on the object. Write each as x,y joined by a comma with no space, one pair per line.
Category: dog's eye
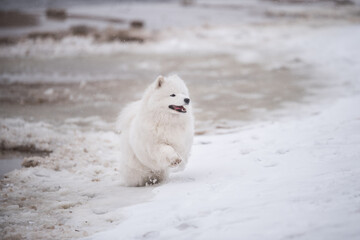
172,95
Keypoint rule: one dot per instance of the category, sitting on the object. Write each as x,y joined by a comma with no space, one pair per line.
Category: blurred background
76,64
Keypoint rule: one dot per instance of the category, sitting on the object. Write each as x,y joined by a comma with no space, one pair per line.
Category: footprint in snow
184,226
151,234
282,151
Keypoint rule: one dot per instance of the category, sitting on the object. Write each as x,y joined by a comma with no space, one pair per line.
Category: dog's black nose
187,100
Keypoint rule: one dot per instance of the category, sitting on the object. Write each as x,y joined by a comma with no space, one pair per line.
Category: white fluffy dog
156,132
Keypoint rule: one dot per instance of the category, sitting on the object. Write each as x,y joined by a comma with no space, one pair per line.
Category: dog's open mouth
178,108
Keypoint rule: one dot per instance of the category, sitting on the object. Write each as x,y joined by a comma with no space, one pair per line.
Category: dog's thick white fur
156,132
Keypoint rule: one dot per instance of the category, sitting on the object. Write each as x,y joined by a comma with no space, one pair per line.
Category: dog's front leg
166,155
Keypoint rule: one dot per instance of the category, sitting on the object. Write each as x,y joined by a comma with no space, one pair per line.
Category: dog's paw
175,162
152,180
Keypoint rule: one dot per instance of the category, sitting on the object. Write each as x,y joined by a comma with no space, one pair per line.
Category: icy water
9,162
222,89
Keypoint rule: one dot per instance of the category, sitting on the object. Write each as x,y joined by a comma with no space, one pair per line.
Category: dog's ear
159,81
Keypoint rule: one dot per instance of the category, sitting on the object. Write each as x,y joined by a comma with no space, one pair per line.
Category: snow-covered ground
275,180
291,172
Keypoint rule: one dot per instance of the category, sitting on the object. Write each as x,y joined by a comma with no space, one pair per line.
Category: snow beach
275,87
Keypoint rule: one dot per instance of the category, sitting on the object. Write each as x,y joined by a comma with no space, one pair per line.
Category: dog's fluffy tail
126,116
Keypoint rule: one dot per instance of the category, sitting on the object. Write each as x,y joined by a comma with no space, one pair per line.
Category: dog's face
171,95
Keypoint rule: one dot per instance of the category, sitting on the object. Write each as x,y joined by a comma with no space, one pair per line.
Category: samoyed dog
156,132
